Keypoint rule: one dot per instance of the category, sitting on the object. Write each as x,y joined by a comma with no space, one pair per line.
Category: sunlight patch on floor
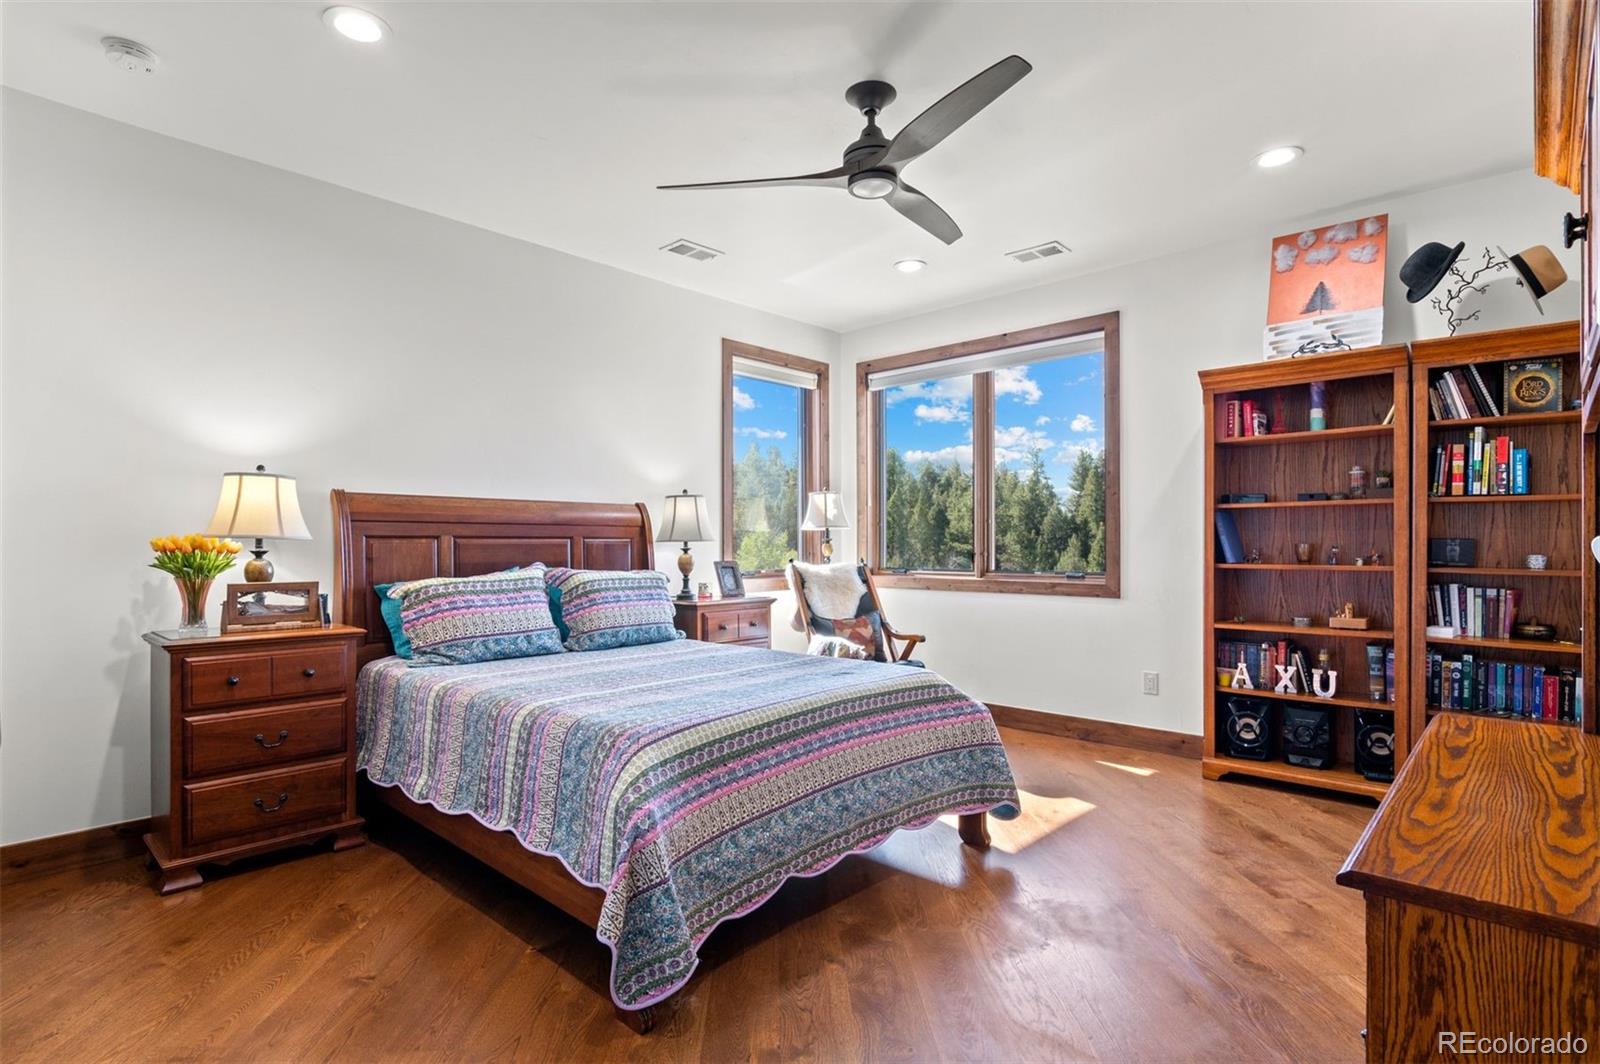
1041,815
1135,769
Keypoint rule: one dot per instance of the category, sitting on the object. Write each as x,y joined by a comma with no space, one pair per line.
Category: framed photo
729,582
269,605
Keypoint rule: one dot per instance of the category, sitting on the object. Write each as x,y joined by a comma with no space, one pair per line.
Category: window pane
927,475
768,439
1050,466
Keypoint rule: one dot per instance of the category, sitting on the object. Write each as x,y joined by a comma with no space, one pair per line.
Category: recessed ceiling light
356,24
1275,157
909,265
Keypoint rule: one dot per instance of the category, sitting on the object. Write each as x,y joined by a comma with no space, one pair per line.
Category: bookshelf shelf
1528,646
1350,703
1358,389
1554,519
1320,436
1320,631
1295,567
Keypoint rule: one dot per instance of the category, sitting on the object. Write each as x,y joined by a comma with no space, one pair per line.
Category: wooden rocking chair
805,622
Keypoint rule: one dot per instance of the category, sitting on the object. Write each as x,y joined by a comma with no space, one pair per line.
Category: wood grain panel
476,555
601,553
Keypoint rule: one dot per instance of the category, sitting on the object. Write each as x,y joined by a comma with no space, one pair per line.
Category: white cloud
1085,377
950,389
1306,239
1015,442
1342,233
1083,423
761,434
1371,227
943,413
1014,380
1068,455
1319,256
1367,252
1283,257
960,453
742,399
1041,420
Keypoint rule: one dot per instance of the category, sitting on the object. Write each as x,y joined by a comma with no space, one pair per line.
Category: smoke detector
131,56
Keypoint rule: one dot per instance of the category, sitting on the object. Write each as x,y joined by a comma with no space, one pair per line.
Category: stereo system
1308,736
1248,729
1375,744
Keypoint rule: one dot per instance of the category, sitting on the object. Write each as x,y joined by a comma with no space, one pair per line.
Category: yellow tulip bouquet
193,561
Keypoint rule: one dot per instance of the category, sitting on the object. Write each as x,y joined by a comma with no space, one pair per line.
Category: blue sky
766,414
1057,406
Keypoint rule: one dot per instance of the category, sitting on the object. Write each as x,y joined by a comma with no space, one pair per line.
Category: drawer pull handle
722,628
261,740
308,672
233,681
283,799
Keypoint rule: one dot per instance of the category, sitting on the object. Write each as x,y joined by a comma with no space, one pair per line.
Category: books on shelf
1475,684
1480,465
1243,418
1475,612
1461,393
1261,661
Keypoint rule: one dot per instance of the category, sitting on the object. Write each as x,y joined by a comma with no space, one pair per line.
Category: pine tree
1321,300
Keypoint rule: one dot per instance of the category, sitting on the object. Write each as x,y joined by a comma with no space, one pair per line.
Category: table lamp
261,505
824,512
684,519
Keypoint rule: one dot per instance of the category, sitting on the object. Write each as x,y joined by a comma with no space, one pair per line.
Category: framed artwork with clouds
1326,288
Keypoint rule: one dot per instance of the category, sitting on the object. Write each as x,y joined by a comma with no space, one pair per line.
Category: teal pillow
555,611
390,609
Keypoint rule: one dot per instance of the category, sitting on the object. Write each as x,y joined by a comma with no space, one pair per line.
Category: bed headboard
378,539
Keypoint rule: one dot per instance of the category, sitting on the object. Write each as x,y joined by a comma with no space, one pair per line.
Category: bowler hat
1426,267
1539,271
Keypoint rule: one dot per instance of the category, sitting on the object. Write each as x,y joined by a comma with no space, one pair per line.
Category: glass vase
192,593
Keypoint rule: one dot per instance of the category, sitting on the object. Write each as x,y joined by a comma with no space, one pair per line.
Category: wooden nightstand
746,621
252,746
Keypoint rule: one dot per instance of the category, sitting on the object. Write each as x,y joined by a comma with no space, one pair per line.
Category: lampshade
824,510
685,519
260,504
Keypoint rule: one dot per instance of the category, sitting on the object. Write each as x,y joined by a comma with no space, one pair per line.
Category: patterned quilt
687,780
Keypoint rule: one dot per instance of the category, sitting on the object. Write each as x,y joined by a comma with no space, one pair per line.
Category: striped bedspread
687,780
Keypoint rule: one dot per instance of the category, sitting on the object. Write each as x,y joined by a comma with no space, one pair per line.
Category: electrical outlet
1152,683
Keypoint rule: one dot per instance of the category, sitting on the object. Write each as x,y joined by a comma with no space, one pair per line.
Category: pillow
604,609
864,633
390,609
829,646
459,620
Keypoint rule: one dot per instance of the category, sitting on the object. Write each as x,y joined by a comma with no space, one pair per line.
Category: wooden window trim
869,474
813,459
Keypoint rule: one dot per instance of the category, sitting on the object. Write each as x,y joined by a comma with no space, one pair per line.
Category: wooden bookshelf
1555,519
1248,599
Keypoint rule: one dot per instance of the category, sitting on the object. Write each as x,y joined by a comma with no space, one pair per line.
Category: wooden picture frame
246,606
730,582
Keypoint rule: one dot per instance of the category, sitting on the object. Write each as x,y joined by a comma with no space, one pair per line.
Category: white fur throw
832,591
829,646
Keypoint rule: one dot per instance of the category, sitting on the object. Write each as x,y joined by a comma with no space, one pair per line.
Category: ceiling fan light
872,184
909,265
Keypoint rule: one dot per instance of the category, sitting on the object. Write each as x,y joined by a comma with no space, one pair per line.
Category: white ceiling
1133,137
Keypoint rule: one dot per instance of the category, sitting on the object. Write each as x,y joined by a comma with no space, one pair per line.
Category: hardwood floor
1133,913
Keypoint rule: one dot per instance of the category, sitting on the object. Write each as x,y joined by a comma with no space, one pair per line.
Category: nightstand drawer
720,627
303,672
219,681
258,738
754,624
265,801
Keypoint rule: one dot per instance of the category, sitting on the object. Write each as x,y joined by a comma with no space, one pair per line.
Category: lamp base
686,566
258,570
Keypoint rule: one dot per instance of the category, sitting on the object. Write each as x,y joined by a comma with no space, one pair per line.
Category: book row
1261,661
1476,612
1528,387
1481,465
1514,689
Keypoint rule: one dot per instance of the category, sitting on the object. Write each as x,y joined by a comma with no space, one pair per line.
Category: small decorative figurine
1324,660
1333,555
1302,553
1286,677
1241,678
705,590
1346,618
1302,622
1376,557
1358,482
1319,406
1383,480
1254,557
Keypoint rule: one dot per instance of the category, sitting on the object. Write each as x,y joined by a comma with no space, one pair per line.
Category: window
774,419
991,465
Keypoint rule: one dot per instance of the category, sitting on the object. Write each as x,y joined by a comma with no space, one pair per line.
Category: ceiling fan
872,164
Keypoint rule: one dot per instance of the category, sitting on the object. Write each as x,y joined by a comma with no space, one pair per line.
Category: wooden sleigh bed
384,538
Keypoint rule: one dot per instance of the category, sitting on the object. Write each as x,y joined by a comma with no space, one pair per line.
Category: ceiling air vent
690,250
1040,251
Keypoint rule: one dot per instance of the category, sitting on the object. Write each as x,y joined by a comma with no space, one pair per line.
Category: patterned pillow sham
460,620
604,609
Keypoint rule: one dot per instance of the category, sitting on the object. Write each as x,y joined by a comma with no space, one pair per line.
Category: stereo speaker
1247,727
1308,736
1375,744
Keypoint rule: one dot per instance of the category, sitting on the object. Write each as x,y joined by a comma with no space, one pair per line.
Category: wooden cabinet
1481,873
745,621
252,746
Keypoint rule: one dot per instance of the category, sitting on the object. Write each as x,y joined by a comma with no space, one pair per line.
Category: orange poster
1326,292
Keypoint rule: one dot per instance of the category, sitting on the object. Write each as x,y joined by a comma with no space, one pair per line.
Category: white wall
1180,314
172,312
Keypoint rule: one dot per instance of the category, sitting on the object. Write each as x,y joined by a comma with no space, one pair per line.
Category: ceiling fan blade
953,111
834,178
926,213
